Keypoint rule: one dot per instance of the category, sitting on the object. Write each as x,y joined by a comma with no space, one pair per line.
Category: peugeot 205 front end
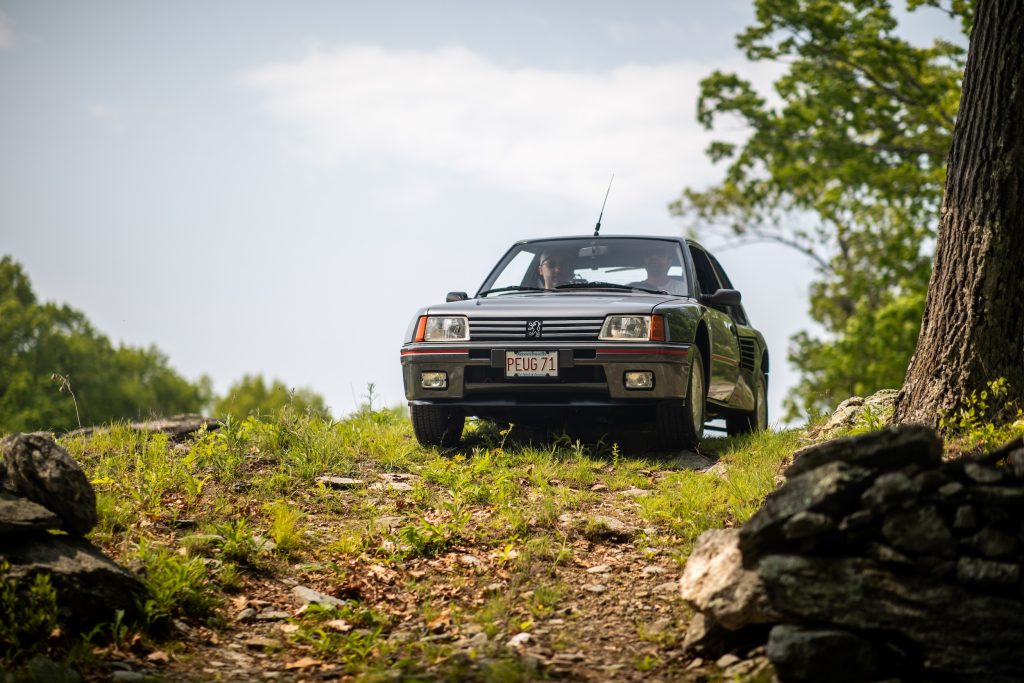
583,327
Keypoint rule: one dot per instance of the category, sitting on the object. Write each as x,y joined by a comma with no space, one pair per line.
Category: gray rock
340,482
929,480
974,570
176,427
1002,496
966,518
1015,460
705,637
90,587
714,581
950,490
919,531
610,528
812,654
38,469
863,595
19,515
857,523
993,543
981,473
886,450
885,553
306,596
833,488
807,525
890,491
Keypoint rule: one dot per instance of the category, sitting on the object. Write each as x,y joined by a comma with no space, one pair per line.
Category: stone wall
875,560
43,490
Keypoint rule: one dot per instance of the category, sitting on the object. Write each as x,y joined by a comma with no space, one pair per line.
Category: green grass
237,510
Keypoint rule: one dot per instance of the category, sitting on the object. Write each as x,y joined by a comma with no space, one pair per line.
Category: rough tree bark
973,327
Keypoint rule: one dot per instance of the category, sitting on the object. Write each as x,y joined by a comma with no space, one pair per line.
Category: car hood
560,304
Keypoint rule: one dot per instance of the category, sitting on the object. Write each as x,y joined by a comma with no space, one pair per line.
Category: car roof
672,238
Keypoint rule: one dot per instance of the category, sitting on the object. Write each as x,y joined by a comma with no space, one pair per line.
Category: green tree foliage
845,164
38,340
251,395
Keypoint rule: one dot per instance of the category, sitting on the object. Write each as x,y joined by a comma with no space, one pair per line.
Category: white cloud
6,32
104,112
548,132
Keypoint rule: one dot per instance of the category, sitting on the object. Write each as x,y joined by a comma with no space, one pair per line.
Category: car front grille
553,329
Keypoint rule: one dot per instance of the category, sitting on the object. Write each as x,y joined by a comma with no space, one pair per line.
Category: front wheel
436,425
757,419
683,428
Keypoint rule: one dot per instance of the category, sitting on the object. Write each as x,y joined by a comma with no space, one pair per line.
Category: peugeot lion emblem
533,329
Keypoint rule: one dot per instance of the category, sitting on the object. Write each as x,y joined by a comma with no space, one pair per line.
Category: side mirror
723,297
456,296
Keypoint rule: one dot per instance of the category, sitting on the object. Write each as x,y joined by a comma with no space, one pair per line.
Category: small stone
305,596
695,664
1016,462
919,531
725,661
966,518
262,643
129,677
993,543
652,569
247,614
634,492
598,487
982,474
890,491
599,569
609,528
987,572
340,482
807,524
599,588
272,615
519,640
884,553
953,488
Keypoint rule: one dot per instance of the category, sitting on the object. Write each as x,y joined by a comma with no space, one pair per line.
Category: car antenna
597,228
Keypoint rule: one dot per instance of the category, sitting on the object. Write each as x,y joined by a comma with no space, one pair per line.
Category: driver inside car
657,264
555,269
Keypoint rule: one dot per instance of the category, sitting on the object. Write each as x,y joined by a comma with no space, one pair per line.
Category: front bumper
590,374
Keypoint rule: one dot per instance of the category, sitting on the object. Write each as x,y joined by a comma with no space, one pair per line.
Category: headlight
637,327
442,328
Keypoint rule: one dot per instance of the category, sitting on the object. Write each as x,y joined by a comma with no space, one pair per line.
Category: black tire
437,425
682,427
756,420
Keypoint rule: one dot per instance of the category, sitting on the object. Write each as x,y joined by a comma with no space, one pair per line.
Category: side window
738,314
706,277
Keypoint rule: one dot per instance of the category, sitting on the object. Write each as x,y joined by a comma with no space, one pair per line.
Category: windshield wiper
609,285
511,288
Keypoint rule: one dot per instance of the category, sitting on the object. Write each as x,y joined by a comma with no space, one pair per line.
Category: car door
725,351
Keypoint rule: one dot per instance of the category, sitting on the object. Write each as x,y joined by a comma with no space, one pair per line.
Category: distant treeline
57,371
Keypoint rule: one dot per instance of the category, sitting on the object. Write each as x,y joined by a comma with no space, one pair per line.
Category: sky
277,187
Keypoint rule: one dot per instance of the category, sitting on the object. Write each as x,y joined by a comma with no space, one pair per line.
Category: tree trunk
973,327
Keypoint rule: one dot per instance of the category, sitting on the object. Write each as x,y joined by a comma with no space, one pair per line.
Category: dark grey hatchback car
625,329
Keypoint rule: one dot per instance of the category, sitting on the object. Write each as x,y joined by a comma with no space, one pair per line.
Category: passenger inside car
657,264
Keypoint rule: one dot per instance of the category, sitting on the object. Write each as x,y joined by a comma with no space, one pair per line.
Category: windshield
614,262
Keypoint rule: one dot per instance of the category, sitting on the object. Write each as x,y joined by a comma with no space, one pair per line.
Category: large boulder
960,634
20,515
886,450
35,467
90,586
715,582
